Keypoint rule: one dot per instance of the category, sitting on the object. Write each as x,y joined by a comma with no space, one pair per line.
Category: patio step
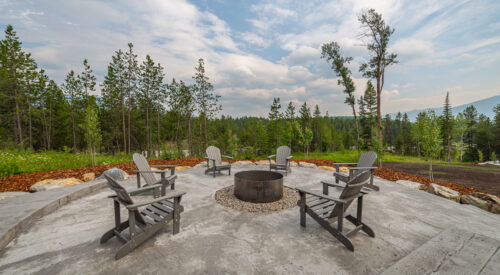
453,251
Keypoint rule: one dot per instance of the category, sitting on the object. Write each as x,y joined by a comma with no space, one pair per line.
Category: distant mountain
484,106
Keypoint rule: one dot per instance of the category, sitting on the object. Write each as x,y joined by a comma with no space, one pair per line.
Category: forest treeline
137,109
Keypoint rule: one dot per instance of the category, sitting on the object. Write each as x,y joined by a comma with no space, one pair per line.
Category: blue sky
257,50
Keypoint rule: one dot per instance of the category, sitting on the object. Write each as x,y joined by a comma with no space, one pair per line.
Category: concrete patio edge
19,213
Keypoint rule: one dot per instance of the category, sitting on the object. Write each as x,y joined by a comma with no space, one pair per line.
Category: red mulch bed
23,182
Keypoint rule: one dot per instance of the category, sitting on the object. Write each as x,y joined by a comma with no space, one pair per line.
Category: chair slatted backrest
282,153
214,153
123,196
143,165
366,160
352,188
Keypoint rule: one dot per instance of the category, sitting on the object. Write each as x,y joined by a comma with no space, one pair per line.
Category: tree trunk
431,175
123,126
461,146
206,133
158,132
30,125
18,119
129,107
190,143
73,127
201,137
357,128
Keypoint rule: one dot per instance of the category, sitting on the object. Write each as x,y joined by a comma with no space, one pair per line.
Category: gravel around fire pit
225,196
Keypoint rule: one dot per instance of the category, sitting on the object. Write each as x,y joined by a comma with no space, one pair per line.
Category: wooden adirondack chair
282,159
323,208
144,218
144,170
365,162
214,161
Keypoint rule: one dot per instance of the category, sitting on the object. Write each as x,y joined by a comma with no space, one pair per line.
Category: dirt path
481,177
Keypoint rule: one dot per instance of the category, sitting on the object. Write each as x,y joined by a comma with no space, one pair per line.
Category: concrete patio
217,239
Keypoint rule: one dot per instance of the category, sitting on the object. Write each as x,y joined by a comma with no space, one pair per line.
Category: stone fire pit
258,186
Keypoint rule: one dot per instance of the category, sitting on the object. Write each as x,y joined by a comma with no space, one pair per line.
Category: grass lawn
352,156
16,162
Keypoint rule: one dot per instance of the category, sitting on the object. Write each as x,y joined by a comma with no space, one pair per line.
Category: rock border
225,197
26,221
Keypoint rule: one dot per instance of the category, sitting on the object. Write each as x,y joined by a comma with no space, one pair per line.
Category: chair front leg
138,179
131,219
177,216
337,169
340,217
302,205
325,188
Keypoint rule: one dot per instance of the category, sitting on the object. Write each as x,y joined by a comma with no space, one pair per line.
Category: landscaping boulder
264,162
242,162
293,164
328,168
487,202
412,184
180,168
54,183
115,173
202,164
443,191
344,169
307,164
4,195
88,176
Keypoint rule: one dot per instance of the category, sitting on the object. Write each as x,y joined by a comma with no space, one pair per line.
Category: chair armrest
164,166
152,171
136,191
314,193
362,168
289,157
344,163
171,167
271,156
172,194
228,157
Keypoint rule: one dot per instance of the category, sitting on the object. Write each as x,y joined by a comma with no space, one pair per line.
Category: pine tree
274,126
379,35
12,61
290,111
206,100
131,76
447,126
305,116
331,51
72,88
87,81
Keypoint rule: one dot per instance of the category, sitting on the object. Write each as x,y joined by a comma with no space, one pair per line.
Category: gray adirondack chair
214,161
144,170
283,158
324,209
144,218
365,163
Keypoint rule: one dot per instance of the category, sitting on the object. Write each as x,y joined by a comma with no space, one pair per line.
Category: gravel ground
225,197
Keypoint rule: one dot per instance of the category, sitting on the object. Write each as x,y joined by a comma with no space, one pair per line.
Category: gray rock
54,183
307,164
242,162
4,195
412,184
444,192
293,164
202,164
115,173
487,202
